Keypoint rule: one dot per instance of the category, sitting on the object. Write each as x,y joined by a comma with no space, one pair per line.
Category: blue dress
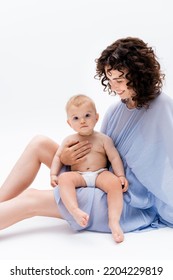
144,140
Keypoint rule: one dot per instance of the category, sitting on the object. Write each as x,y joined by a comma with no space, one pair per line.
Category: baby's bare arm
57,164
116,161
55,168
113,157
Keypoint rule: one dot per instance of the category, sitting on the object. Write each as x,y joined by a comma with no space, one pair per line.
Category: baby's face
82,118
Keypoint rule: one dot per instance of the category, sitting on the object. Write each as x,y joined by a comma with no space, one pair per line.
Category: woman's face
118,83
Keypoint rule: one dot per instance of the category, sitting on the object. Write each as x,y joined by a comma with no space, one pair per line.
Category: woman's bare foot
117,232
81,217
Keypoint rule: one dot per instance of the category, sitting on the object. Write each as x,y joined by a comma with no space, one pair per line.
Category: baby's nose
82,120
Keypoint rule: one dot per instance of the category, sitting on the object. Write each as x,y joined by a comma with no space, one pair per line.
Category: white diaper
90,176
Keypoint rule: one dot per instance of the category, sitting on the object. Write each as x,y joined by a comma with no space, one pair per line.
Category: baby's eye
87,115
75,118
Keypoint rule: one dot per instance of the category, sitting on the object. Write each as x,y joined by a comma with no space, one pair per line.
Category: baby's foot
117,232
81,217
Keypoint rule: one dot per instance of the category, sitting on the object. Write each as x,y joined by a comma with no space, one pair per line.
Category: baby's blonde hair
79,99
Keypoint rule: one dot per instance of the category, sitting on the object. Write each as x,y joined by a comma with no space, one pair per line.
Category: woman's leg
68,182
110,184
29,203
41,149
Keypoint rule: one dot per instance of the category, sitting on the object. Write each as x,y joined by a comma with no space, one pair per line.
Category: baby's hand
54,180
124,183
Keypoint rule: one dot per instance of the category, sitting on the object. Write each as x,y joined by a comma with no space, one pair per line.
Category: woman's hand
74,152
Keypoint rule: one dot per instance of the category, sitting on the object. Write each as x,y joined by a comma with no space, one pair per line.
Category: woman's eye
114,81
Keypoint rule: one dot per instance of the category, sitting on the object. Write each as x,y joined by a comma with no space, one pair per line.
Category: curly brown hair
143,69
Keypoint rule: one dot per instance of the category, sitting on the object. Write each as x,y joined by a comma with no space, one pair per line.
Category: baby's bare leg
68,182
110,184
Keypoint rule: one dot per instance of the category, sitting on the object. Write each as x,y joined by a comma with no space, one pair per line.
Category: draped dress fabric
144,139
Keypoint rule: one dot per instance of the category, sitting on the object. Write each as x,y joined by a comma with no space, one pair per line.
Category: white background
47,53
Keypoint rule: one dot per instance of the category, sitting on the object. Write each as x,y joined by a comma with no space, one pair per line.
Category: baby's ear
97,117
68,122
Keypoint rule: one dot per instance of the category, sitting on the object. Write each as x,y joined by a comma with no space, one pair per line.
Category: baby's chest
98,148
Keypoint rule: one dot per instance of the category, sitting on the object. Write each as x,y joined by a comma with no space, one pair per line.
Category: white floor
49,239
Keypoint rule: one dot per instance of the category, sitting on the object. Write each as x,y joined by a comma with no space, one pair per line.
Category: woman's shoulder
163,101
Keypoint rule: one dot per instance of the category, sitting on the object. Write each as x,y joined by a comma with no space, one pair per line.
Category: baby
82,117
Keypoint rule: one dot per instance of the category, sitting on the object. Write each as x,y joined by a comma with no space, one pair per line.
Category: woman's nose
115,87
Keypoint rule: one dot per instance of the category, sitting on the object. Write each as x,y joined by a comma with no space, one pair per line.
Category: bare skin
16,201
71,180
106,181
19,203
112,186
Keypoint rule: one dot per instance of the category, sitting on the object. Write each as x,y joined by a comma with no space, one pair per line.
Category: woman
141,127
